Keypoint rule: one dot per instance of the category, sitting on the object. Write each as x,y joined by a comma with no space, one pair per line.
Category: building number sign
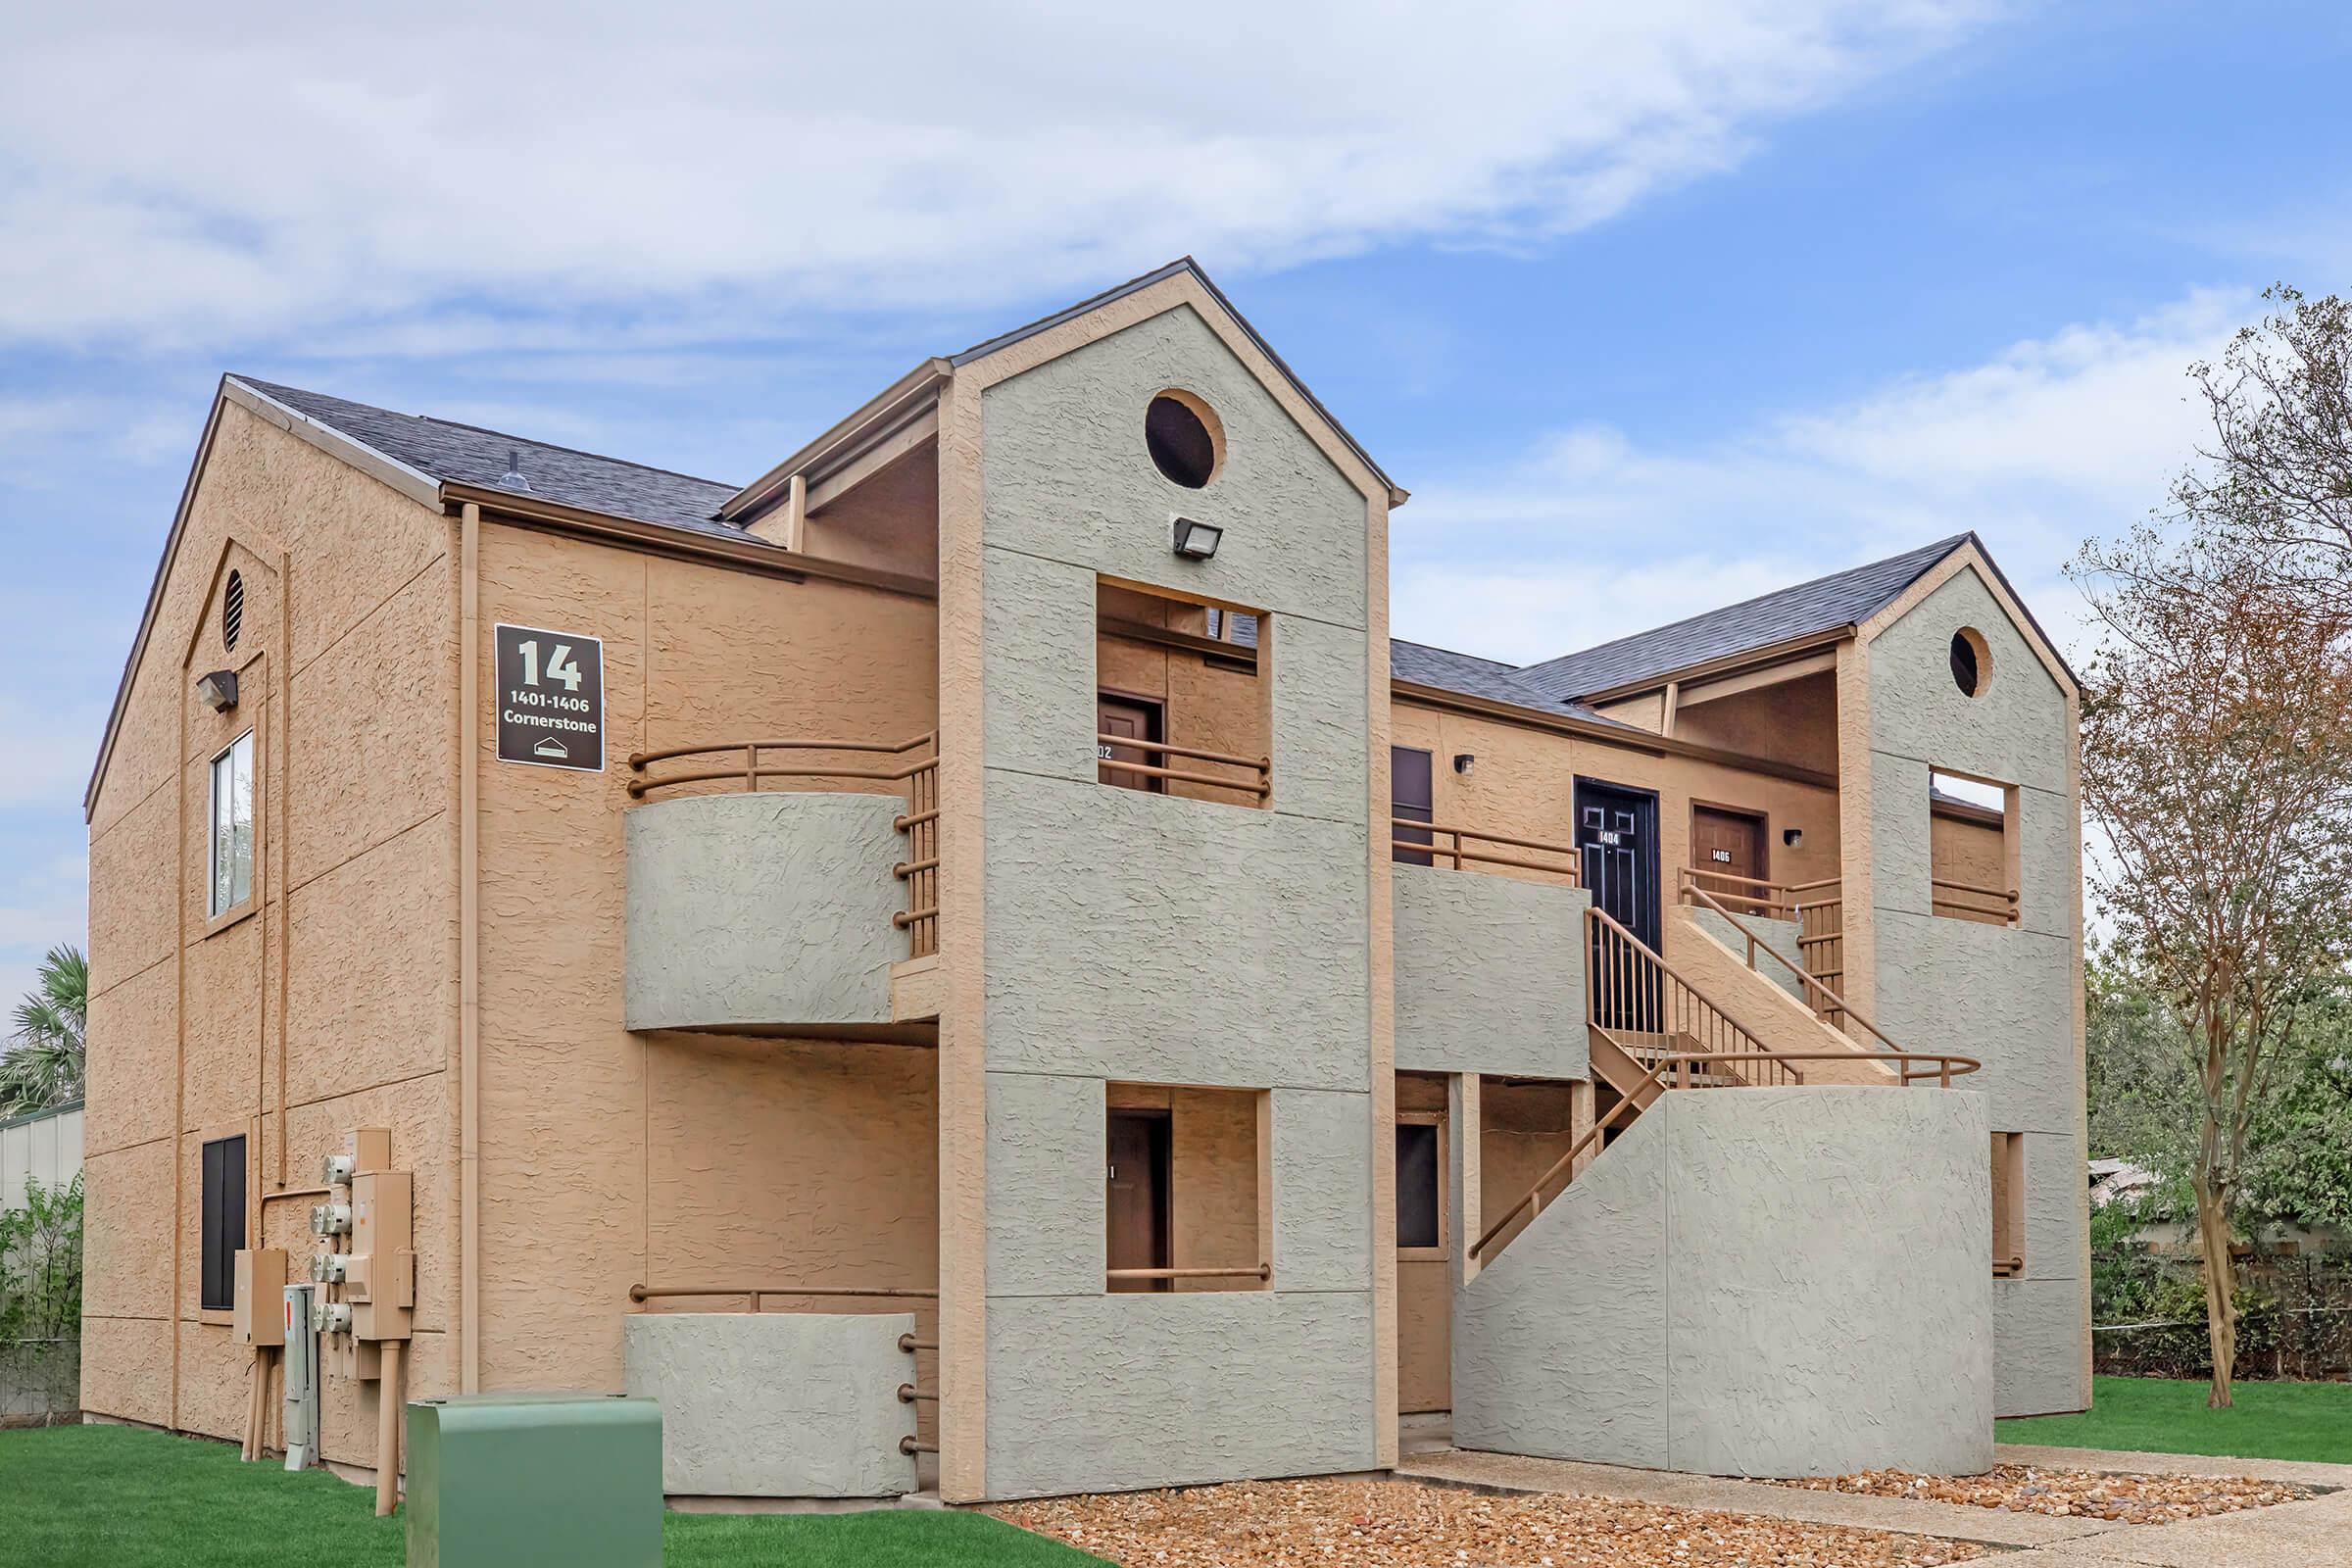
1721,857
551,699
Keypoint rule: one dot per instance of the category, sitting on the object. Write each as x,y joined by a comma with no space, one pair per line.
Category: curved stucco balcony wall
757,910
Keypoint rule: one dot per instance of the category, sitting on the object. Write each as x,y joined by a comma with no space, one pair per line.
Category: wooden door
1730,844
1127,717
1136,1206
1410,801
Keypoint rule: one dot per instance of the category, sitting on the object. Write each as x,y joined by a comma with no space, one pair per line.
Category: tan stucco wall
585,1153
348,600
1523,785
1794,722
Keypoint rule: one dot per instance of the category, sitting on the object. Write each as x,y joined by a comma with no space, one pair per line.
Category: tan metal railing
1818,907
1257,786
1631,991
755,1294
1970,902
795,763
1458,847
1263,1272
1817,994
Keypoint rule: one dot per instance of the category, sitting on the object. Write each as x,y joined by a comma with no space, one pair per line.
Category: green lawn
128,1498
2155,1415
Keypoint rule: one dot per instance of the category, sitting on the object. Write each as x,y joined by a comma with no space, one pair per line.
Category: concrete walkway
2316,1533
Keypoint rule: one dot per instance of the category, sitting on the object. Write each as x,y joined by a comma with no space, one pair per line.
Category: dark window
1409,800
223,1222
1970,659
1417,1185
1181,443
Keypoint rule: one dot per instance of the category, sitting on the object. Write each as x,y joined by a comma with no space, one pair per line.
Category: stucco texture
774,1405
1146,938
1490,974
2002,994
772,908
1737,1288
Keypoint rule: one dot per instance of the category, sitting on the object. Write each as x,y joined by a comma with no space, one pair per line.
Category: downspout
470,1004
285,842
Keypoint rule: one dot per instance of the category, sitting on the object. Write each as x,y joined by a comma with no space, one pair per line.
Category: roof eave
875,419
1722,664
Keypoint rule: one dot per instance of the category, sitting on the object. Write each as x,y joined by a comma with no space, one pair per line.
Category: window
231,859
1185,437
1972,662
1409,800
1181,700
223,1221
1972,849
2008,1206
1420,1183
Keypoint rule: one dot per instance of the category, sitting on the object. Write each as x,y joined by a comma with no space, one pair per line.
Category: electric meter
335,1170
330,1219
331,1317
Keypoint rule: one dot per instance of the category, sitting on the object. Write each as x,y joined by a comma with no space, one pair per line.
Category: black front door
1617,849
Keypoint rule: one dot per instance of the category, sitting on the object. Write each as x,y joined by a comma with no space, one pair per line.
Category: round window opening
232,610
1185,441
1972,662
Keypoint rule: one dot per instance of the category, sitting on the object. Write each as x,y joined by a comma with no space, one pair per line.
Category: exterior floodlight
1196,541
1793,836
1464,762
218,691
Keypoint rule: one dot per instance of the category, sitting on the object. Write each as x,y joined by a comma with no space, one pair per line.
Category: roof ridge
261,385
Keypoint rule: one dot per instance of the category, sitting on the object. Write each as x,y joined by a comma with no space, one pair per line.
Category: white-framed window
231,876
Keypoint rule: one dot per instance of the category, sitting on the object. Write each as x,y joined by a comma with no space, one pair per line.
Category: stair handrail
1946,1068
1838,1004
1614,986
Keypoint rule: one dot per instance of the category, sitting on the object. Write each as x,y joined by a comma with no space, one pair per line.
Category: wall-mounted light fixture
218,691
1793,836
1196,541
1463,762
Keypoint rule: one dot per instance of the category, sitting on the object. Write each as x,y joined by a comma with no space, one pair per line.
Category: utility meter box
257,1316
498,1479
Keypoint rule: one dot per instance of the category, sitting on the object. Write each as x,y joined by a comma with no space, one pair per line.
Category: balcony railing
1817,908
1414,842
1968,901
1253,776
792,764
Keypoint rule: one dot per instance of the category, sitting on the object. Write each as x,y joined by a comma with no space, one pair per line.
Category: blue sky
1651,307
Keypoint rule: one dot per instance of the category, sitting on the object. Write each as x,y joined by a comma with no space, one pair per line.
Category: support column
1463,1175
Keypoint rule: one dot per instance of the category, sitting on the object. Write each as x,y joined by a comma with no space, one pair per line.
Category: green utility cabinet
497,1480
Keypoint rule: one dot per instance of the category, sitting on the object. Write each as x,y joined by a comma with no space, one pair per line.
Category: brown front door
1127,717
1137,1206
1730,844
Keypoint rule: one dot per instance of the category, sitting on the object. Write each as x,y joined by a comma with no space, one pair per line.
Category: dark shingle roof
468,455
1473,676
1841,599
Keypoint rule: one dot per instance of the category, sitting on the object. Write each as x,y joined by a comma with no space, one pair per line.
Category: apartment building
975,962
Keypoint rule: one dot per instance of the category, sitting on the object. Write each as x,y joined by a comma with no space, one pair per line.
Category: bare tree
2218,760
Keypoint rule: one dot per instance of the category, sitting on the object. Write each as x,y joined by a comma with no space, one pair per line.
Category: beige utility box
381,1285
258,1314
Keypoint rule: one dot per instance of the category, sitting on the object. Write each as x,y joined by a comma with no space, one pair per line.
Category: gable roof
1826,603
464,454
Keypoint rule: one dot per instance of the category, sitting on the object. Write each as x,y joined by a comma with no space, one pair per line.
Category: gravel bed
1343,1524
2134,1499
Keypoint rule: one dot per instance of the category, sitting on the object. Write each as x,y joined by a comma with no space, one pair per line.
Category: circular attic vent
232,610
1972,662
1184,438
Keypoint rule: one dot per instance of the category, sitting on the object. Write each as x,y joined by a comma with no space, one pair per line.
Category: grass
128,1498
2158,1415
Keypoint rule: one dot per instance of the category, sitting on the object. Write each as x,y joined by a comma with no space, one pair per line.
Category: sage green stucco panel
2037,1325
1113,1393
1489,973
1066,476
1038,663
2015,732
761,908
1160,940
1322,1190
1736,1286
1046,1143
1320,719
2002,996
777,1404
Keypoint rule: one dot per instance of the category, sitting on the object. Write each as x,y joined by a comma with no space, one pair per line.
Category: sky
1652,308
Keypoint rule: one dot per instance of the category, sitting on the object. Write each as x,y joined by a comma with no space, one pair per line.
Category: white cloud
722,166
1591,535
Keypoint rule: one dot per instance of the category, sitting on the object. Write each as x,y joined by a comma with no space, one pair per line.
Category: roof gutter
748,554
